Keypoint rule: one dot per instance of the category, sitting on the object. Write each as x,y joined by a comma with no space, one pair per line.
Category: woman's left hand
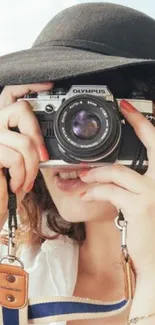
131,192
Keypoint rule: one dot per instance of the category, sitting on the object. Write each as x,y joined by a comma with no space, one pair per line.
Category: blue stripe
60,308
10,316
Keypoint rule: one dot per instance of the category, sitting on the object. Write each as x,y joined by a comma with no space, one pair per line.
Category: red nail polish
127,106
83,172
82,194
43,153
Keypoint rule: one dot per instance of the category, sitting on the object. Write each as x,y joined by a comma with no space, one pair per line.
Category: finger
14,161
117,174
10,94
20,114
120,198
151,166
142,127
26,154
3,198
4,240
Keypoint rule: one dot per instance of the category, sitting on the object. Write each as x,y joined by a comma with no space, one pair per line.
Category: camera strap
13,277
45,310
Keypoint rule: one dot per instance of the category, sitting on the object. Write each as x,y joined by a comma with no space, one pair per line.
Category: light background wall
22,20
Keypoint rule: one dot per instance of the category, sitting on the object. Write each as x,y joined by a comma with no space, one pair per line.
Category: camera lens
87,128
85,125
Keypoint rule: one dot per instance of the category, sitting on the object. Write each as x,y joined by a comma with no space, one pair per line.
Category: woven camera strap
56,309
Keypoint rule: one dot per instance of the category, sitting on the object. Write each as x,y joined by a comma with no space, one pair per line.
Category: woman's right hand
20,152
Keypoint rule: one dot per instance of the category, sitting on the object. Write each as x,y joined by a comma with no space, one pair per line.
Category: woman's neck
101,251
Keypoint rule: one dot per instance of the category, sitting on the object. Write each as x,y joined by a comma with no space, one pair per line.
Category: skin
107,189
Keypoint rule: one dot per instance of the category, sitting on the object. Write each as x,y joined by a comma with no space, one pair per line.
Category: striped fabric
48,310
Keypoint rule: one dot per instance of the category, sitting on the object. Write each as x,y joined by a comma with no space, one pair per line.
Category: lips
67,185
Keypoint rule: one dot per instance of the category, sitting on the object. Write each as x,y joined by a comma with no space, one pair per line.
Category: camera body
84,125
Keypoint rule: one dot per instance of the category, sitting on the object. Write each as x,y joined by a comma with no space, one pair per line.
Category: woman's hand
20,152
131,192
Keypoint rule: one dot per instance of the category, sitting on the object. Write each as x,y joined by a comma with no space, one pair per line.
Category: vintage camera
84,124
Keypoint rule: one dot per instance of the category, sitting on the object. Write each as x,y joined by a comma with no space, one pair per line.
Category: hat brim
56,63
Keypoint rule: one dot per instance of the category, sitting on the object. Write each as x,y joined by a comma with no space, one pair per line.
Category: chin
72,209
86,211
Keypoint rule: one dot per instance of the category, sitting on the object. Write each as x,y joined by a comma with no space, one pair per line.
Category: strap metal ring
118,221
13,258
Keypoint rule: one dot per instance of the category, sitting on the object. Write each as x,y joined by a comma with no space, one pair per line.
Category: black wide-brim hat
82,39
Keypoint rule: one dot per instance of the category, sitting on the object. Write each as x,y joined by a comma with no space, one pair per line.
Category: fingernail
83,172
127,106
48,83
43,153
29,188
82,194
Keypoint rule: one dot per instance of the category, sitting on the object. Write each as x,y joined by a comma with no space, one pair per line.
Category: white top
52,266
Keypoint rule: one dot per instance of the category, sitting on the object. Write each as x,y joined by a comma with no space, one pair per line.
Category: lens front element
85,125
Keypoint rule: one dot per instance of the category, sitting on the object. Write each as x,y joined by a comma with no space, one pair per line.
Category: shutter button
10,298
11,278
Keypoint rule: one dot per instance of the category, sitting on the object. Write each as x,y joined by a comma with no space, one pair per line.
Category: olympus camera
84,125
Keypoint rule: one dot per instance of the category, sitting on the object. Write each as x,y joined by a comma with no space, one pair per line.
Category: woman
83,258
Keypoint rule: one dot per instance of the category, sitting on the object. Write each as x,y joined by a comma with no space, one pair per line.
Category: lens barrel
87,128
